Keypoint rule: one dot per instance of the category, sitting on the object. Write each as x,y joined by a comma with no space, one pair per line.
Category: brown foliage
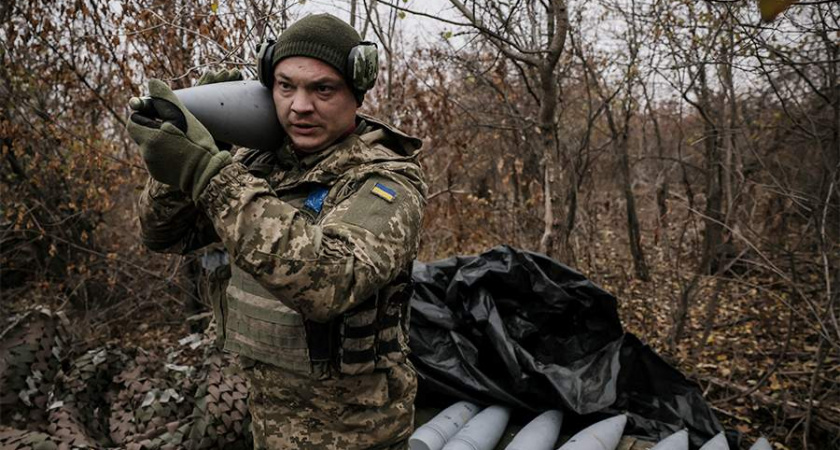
730,128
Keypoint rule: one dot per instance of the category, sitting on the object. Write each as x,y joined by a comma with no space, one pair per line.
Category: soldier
321,235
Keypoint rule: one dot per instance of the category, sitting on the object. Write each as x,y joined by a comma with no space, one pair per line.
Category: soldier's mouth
303,128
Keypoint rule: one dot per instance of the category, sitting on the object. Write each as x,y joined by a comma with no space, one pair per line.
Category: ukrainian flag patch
382,191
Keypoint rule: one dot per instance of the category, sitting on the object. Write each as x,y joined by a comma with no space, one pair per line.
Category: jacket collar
369,130
372,142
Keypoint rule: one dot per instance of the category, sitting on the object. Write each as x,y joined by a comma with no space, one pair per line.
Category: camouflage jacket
322,232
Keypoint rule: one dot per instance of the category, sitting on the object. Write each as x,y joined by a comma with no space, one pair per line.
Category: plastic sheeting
518,328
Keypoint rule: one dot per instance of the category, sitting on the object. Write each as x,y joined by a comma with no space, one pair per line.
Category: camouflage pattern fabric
13,439
194,397
322,263
221,418
370,411
170,221
78,412
31,350
148,403
320,258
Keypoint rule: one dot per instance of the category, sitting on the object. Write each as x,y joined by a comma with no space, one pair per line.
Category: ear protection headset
361,70
265,51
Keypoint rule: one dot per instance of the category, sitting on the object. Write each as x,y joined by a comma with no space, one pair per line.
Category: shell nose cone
762,444
604,435
716,443
540,434
676,441
483,432
434,434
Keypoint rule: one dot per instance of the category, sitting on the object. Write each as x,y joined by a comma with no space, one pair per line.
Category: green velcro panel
374,213
280,336
262,309
290,360
252,300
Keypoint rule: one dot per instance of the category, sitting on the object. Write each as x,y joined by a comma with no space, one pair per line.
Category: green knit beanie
320,36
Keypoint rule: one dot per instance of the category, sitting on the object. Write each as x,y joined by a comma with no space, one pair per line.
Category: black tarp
517,328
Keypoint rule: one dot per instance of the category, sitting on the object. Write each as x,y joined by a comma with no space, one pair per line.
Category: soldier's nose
301,103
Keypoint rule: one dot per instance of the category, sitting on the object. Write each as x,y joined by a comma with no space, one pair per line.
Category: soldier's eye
325,89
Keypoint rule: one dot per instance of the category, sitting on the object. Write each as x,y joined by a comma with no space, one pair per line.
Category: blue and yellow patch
315,200
382,191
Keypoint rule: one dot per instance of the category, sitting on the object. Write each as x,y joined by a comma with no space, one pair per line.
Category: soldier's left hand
219,76
177,149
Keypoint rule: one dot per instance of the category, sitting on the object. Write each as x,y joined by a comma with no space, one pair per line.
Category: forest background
682,154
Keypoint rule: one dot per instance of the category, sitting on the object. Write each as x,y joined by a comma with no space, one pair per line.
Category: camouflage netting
32,347
194,397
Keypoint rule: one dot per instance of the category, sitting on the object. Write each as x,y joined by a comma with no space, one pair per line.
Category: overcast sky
414,27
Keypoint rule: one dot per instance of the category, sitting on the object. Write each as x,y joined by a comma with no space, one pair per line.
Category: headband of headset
361,69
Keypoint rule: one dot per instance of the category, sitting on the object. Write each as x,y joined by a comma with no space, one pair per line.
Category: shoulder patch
382,206
382,191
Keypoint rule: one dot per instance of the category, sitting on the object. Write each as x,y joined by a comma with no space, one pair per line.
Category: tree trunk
620,144
713,216
633,234
558,24
571,215
662,188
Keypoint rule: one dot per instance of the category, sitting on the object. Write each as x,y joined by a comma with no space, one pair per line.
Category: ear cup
363,66
264,70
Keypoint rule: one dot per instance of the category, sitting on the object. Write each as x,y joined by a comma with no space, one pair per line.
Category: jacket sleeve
359,244
170,222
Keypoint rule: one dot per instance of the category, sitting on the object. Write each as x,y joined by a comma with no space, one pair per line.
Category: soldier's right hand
219,76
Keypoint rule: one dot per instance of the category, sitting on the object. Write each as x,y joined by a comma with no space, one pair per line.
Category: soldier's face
314,104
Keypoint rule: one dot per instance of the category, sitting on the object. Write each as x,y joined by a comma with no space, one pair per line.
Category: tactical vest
370,336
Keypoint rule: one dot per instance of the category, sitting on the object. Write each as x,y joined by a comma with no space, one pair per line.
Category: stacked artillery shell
761,444
540,434
482,432
676,441
716,443
604,435
434,434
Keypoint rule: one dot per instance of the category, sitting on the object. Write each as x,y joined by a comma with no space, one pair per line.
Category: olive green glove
219,76
176,147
